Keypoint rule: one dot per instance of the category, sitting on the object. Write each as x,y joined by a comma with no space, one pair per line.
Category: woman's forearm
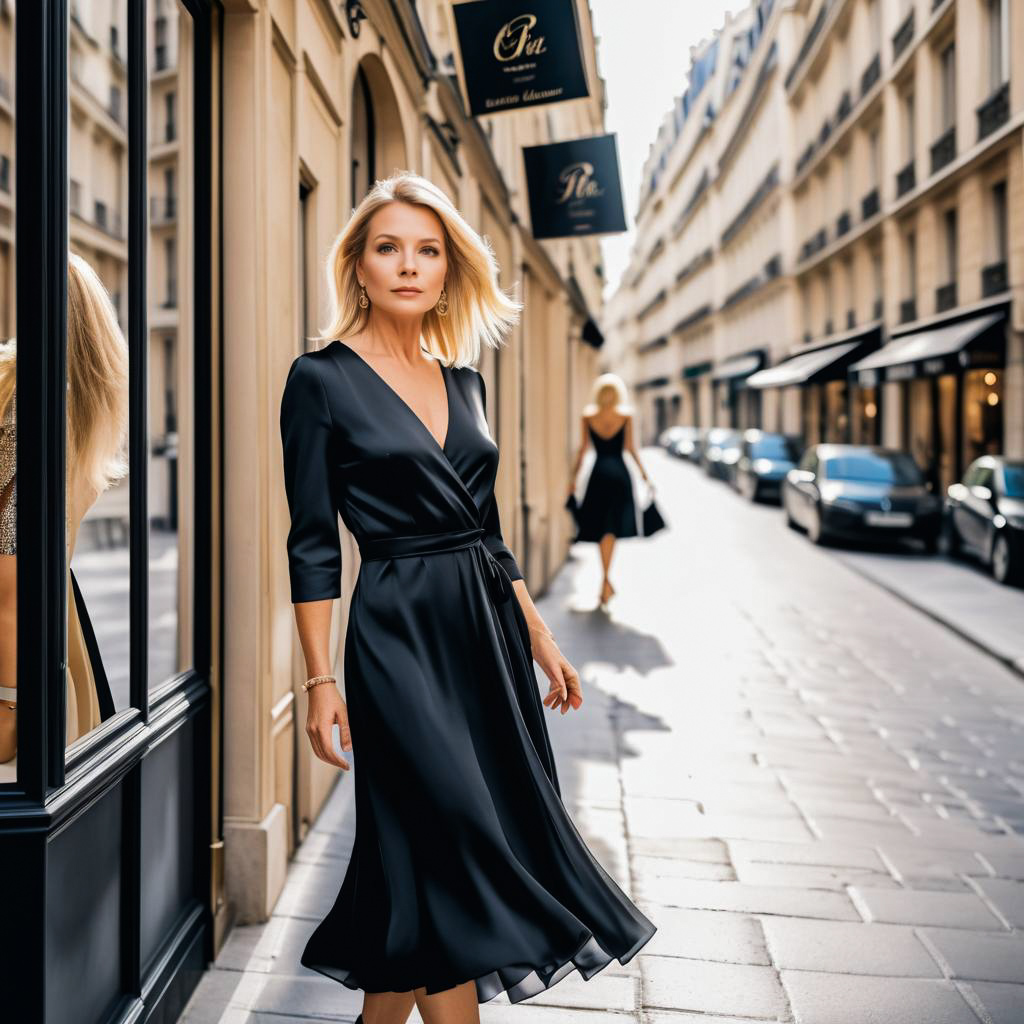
313,619
532,616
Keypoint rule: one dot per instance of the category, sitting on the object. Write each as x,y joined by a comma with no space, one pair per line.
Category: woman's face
404,263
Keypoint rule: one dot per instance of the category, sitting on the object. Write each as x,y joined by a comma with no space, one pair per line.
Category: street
814,789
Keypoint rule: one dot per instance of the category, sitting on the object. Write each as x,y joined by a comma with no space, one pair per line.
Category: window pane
97,367
170,340
8,407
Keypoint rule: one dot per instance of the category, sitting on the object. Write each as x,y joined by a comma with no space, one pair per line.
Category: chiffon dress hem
466,864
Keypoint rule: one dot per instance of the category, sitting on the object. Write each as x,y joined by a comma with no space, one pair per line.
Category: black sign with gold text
519,53
574,188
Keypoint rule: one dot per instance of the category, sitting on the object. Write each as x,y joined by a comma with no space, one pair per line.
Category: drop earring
363,300
442,304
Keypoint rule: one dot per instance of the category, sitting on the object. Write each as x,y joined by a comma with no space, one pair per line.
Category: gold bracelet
315,681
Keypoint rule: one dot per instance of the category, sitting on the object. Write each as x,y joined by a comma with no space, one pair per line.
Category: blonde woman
467,877
608,509
97,429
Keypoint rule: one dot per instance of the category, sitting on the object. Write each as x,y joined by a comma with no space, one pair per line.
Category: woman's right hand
326,707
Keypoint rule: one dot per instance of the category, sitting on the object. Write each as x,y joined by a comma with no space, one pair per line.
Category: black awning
592,334
979,340
826,362
738,366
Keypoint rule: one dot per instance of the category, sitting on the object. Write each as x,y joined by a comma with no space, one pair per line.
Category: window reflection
170,340
98,608
8,414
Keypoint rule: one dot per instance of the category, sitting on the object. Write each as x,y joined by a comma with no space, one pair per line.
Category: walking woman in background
608,510
467,878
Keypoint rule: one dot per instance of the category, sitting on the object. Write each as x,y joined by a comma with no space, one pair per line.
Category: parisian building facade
828,232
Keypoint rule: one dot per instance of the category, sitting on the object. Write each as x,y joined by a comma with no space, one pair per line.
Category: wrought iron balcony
869,205
872,73
903,36
945,297
908,310
845,106
994,112
842,223
906,179
994,279
944,149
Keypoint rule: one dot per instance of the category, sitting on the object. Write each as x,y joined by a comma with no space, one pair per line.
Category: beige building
826,239
317,104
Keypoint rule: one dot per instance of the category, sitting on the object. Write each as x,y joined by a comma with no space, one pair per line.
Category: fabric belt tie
498,584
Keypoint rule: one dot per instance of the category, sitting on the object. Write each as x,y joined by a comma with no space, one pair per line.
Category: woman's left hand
566,691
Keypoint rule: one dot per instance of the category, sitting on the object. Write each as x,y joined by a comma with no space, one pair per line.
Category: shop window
865,428
983,413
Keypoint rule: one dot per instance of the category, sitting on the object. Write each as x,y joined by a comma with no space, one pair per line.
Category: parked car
686,444
861,492
720,452
670,434
985,515
764,461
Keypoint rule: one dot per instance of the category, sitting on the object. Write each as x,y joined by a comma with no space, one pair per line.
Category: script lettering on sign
578,181
514,41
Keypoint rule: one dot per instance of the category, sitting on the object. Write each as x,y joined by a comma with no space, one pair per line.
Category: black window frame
41,248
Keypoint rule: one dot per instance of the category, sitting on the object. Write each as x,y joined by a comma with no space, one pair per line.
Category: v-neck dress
608,505
466,864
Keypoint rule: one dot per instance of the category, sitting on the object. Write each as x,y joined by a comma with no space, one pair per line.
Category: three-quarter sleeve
491,522
307,437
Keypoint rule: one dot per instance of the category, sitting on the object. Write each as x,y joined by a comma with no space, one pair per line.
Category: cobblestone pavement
815,791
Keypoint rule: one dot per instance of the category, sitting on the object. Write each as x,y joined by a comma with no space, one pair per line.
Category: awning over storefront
696,370
980,340
738,366
592,334
802,368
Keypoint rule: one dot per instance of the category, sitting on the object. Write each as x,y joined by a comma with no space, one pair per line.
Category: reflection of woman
97,423
467,878
608,510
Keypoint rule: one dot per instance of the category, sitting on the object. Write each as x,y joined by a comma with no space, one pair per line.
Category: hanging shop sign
519,53
575,188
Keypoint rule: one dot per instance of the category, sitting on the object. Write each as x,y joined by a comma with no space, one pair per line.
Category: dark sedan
764,461
721,452
861,492
985,515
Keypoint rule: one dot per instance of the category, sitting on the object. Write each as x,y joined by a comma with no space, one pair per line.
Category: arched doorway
378,141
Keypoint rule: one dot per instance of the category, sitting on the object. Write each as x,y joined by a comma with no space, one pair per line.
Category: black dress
466,864
607,505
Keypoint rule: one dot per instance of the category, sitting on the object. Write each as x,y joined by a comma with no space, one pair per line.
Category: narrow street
814,789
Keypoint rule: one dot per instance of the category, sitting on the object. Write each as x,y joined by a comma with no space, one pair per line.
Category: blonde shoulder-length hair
608,392
97,374
479,312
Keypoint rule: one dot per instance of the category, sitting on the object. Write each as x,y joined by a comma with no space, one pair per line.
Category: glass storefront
105,504
983,413
866,425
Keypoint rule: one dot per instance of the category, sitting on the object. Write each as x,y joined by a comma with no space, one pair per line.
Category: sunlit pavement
813,789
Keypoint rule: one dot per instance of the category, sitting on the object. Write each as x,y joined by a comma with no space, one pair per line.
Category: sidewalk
960,594
814,790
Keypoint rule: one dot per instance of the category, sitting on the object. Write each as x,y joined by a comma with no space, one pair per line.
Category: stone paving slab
709,987
842,947
826,998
